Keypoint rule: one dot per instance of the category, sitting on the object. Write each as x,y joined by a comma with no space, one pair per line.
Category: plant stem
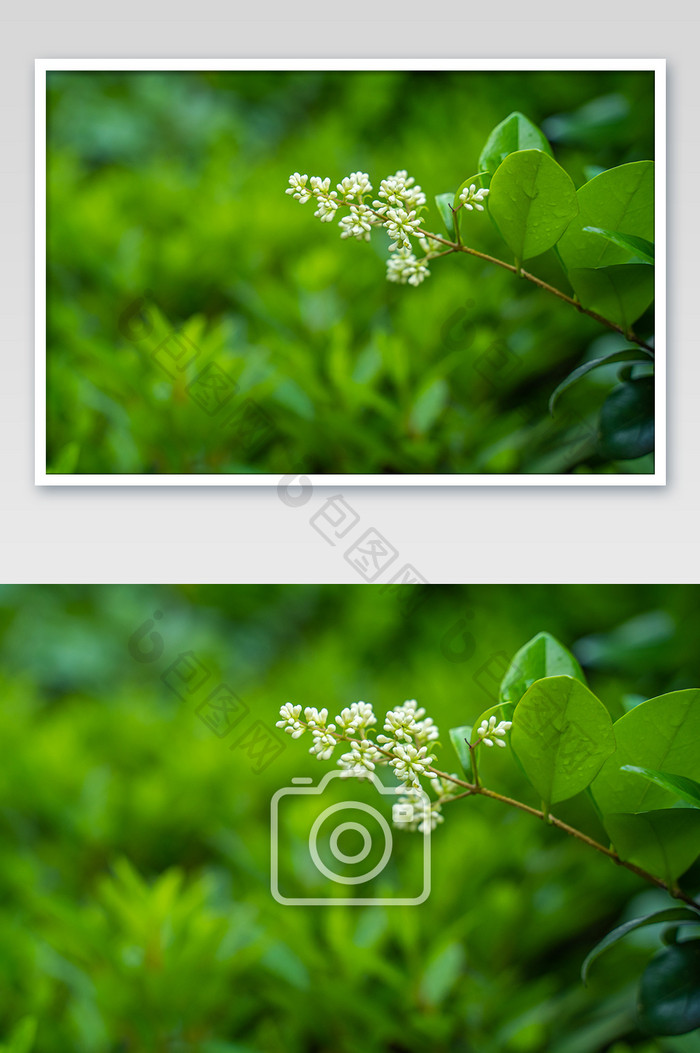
455,247
475,788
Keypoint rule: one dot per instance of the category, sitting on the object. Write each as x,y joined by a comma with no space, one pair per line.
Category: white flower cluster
490,732
424,817
404,747
471,198
397,209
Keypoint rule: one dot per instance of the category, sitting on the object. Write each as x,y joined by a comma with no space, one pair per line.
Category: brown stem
454,247
571,831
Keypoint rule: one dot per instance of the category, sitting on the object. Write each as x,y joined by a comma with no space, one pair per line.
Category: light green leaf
562,735
631,355
627,420
429,405
669,993
687,789
619,199
661,733
620,293
639,247
663,841
679,915
442,973
540,657
443,202
459,737
514,133
532,201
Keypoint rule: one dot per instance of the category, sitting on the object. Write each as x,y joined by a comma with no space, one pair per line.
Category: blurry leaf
661,733
627,420
636,357
669,993
459,737
619,199
444,202
638,246
677,914
429,405
585,124
532,200
562,734
442,973
638,644
514,133
540,657
66,460
664,841
22,1036
621,293
687,789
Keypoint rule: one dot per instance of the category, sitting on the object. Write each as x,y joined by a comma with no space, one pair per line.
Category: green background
135,910
167,212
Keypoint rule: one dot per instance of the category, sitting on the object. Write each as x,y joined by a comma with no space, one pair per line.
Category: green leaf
631,355
664,841
669,992
444,203
532,201
540,657
627,420
66,460
514,133
619,199
687,789
675,914
639,247
459,737
562,735
23,1035
621,293
429,405
661,733
501,711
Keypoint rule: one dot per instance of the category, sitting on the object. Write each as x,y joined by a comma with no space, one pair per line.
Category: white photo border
44,66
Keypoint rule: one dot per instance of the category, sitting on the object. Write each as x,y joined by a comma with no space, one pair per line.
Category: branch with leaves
602,235
640,772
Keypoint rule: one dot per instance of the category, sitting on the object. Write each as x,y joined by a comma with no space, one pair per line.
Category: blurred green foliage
166,203
135,907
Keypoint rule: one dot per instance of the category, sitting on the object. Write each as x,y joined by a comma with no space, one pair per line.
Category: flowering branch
398,209
404,746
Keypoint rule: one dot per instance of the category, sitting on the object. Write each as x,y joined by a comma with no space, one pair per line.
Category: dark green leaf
562,735
631,354
687,789
514,133
619,199
627,420
661,733
444,202
459,737
665,841
669,993
639,247
540,657
676,914
621,293
532,201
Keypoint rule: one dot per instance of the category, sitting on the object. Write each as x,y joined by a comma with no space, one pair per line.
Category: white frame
43,66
